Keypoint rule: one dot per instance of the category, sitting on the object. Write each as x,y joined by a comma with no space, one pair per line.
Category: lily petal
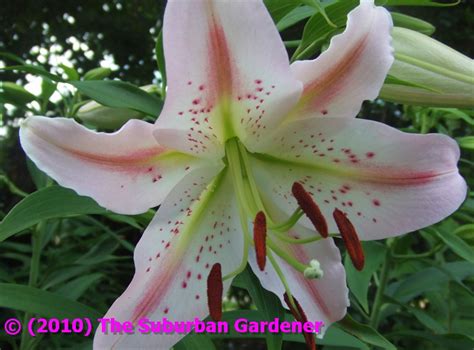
228,74
325,299
196,226
351,70
386,181
127,171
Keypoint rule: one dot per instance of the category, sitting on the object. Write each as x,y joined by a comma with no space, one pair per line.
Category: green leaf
280,8
359,281
457,245
119,94
47,203
466,142
12,57
98,73
34,69
317,30
74,289
15,94
71,73
432,3
429,279
422,316
365,333
445,341
195,342
295,16
47,304
268,304
47,89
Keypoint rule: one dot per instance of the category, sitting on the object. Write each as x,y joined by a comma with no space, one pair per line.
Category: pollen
214,292
350,238
259,237
310,208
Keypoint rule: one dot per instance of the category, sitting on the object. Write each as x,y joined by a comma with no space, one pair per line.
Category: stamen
215,289
299,315
260,237
310,208
350,238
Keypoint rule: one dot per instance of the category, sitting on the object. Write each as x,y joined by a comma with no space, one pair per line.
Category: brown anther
299,315
310,208
214,292
260,238
350,238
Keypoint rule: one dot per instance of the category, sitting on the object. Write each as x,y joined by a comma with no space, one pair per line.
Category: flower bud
435,74
108,117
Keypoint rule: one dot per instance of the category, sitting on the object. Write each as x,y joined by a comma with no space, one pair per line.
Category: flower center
270,235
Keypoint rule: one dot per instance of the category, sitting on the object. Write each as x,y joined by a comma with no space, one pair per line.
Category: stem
374,317
33,278
282,277
287,239
287,257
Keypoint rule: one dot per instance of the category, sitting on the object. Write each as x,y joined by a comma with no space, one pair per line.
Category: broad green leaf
119,94
195,342
359,281
74,289
429,279
34,69
422,316
267,303
47,304
445,341
365,333
432,3
454,113
280,8
413,23
466,232
295,16
466,142
12,57
457,245
47,203
15,94
40,179
98,73
317,31
71,73
48,88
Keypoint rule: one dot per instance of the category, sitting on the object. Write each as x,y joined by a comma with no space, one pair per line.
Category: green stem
292,220
287,257
33,278
375,315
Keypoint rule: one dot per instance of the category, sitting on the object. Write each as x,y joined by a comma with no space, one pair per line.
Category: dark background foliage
77,248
